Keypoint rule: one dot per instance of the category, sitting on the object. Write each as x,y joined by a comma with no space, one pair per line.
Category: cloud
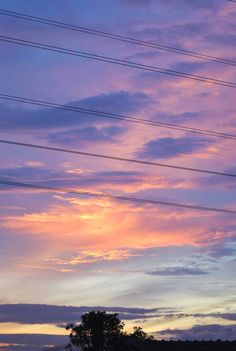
126,181
224,249
25,172
52,314
227,316
16,117
101,223
171,147
178,34
193,29
180,118
202,332
93,223
116,102
83,136
177,271
216,181
61,315
91,256
75,224
29,342
80,233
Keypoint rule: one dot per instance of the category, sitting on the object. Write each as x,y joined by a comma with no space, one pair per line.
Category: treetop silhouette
100,331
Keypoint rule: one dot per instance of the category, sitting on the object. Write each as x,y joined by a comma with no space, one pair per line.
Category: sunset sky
170,270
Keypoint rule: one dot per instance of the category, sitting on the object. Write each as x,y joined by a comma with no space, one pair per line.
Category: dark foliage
100,331
218,345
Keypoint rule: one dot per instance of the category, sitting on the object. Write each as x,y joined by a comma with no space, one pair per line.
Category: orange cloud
85,224
90,256
17,328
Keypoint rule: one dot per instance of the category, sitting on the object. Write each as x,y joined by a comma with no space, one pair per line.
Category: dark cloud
115,102
16,117
177,271
40,314
80,137
227,316
170,147
24,172
202,332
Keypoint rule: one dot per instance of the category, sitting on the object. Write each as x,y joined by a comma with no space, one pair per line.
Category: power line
115,197
103,114
115,61
116,158
117,37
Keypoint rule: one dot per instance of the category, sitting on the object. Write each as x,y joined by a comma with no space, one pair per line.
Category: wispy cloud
177,271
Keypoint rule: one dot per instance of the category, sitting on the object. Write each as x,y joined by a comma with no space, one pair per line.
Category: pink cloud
102,228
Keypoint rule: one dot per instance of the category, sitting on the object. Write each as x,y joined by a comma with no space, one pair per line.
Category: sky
170,270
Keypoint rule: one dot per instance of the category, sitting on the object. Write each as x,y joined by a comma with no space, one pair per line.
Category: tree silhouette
98,331
139,334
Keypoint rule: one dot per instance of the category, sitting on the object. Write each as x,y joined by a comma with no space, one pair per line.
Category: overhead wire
115,197
110,115
122,38
116,61
112,157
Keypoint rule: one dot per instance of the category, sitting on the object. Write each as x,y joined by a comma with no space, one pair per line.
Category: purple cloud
17,117
40,314
32,342
177,271
202,332
224,249
78,137
170,147
229,183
